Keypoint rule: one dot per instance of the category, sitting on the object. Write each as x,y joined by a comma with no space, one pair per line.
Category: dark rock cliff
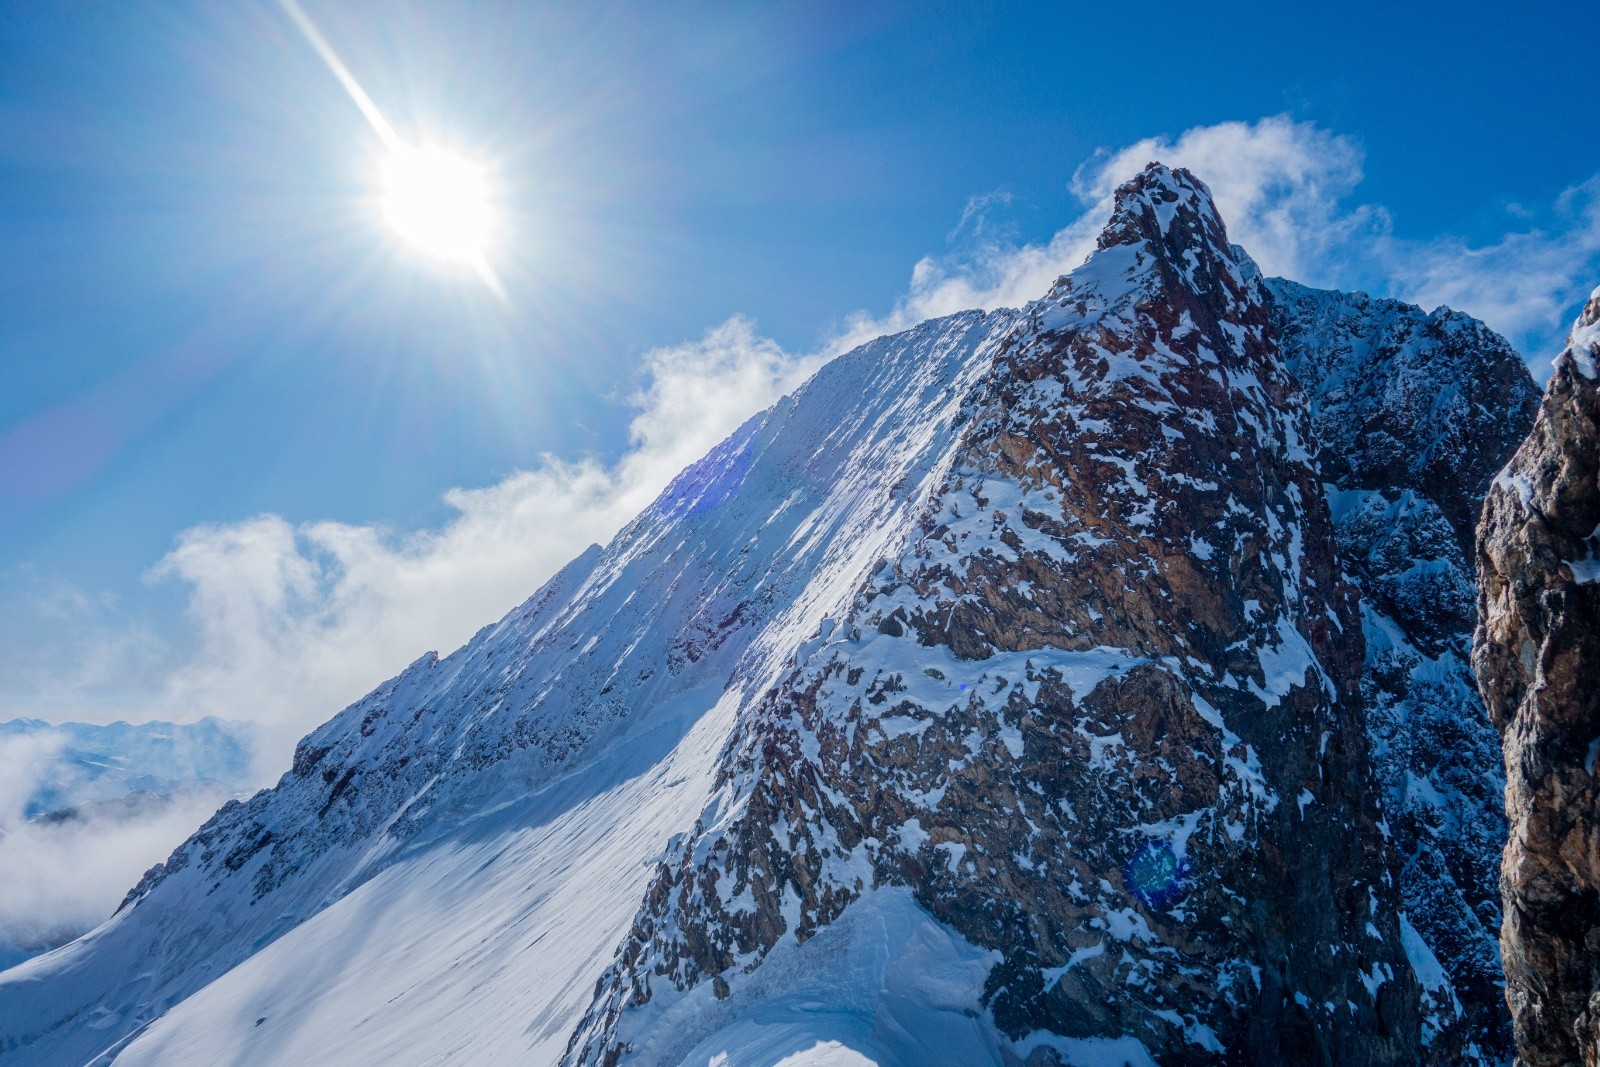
1415,412
1537,654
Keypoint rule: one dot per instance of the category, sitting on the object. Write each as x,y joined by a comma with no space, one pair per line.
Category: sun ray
319,43
434,199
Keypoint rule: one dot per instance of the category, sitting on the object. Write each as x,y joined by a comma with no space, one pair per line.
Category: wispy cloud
1279,184
1527,285
1287,191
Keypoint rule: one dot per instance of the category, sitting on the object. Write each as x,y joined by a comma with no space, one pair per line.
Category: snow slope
502,807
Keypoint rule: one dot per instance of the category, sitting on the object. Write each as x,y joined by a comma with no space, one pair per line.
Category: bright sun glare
438,202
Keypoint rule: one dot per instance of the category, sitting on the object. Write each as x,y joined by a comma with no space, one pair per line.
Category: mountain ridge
512,801
1141,399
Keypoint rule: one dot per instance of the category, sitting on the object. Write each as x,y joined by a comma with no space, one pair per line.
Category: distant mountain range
104,801
88,763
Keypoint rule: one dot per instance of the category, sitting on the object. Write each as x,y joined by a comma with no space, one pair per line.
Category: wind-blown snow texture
998,695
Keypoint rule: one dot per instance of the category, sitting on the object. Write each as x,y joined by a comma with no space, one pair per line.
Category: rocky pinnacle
1537,652
1101,717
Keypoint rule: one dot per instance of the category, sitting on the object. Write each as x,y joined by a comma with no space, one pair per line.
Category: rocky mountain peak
1165,249
1098,714
1167,207
1414,412
1172,213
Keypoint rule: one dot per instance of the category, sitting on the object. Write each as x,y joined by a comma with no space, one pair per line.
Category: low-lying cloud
65,876
64,879
296,620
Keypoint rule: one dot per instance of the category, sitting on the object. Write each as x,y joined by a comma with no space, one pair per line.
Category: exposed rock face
1537,655
1103,716
1416,412
1406,400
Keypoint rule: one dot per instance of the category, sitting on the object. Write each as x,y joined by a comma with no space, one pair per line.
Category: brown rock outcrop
1537,656
1101,717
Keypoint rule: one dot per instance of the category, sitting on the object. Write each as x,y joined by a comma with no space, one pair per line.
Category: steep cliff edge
1537,655
1415,412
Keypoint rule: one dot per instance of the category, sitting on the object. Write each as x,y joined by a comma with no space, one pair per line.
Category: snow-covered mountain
1026,687
76,763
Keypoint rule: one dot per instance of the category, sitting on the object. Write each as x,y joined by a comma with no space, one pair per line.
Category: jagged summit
997,697
1165,206
1429,401
1099,716
1166,239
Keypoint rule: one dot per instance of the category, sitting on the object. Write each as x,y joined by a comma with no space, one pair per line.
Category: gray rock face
1416,412
1406,400
1103,716
1537,654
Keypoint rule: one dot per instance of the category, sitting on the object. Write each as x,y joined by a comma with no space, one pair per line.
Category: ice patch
1284,666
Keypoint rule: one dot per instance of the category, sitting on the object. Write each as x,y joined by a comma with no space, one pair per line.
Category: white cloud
65,877
1525,285
24,757
1285,188
1279,185
294,621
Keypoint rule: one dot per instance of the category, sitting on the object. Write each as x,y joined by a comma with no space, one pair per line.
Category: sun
438,202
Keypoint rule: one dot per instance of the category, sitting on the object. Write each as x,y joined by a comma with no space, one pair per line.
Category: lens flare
436,200
1156,875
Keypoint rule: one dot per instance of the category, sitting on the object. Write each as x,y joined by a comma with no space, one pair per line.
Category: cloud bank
294,620
1285,190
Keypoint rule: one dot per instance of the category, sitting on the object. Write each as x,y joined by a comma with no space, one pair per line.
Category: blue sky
212,353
